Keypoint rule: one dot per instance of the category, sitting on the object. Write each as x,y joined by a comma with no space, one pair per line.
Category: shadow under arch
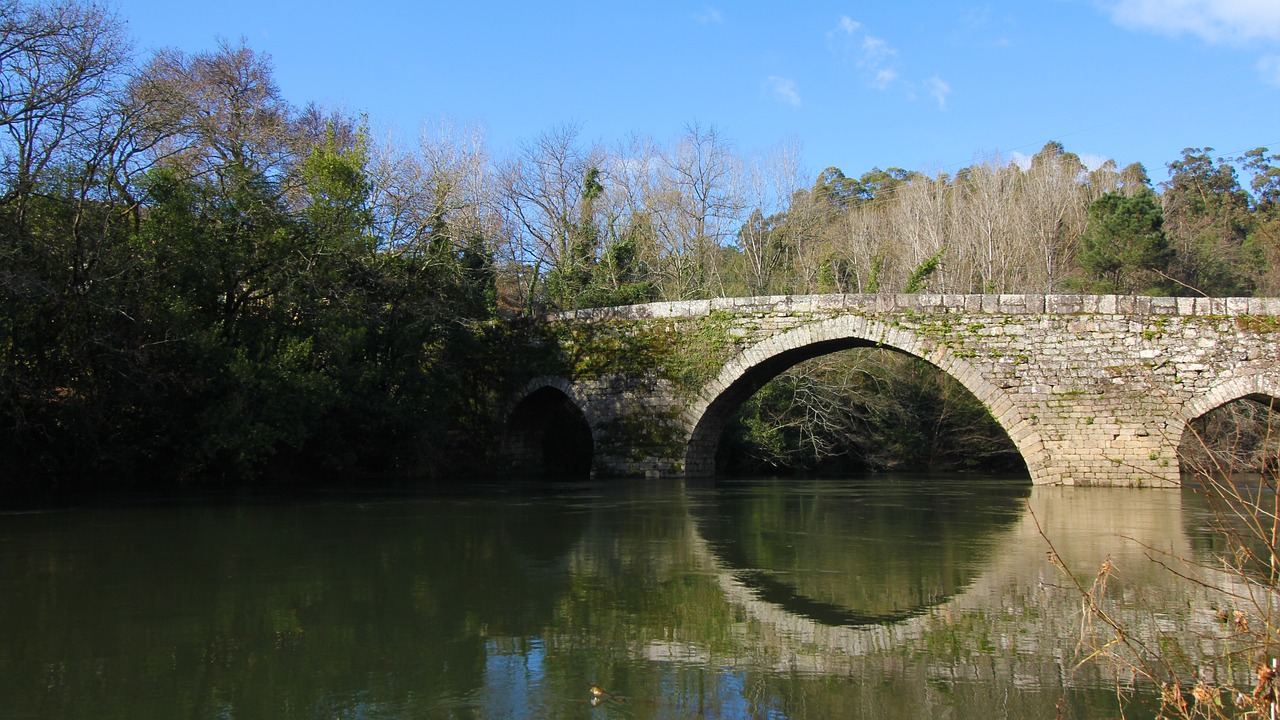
1261,389
548,434
746,373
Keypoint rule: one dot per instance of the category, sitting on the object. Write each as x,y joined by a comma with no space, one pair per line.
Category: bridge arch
1234,389
549,431
741,377
1262,388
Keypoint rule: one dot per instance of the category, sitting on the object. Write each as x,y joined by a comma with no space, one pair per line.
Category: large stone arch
742,376
550,430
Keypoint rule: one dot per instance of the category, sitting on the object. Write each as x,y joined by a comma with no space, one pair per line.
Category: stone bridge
1093,390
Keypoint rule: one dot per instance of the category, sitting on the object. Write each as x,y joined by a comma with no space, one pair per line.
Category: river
884,597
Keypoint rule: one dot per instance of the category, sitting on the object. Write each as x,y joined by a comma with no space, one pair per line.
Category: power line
1141,108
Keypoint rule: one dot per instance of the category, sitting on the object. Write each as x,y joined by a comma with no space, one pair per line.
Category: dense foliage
203,282
194,284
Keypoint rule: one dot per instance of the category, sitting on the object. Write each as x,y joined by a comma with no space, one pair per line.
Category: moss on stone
685,351
1260,324
645,436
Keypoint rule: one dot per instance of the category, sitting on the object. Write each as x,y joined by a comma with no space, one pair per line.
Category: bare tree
986,239
1050,213
62,66
701,206
438,192
542,195
220,116
776,232
634,169
923,216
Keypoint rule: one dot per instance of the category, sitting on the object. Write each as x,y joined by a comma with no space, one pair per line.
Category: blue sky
919,85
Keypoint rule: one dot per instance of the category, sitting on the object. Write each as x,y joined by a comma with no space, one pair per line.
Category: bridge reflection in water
924,596
976,578
855,555
781,598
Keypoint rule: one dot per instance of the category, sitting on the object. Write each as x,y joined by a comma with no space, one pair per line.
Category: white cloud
874,56
708,16
876,52
1215,21
783,90
1269,66
875,60
980,26
1091,161
884,77
939,89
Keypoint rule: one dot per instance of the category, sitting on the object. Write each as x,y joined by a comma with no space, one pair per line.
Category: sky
926,86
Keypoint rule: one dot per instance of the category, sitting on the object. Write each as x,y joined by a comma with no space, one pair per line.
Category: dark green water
883,598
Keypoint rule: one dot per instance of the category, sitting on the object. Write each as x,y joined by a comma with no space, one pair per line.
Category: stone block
1012,304
1063,304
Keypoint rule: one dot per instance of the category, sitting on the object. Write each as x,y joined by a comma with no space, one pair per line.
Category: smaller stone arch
549,433
1262,388
1225,392
742,376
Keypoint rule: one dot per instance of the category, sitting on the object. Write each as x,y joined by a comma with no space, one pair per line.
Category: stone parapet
1028,304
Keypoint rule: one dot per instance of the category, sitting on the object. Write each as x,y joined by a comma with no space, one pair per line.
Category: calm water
882,598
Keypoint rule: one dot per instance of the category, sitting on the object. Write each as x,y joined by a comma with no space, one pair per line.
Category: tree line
203,283
581,225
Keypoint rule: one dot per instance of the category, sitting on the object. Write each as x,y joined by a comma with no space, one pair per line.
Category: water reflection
514,602
1229,523
862,553
269,611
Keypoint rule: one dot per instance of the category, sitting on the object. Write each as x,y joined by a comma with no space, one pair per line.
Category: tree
544,198
1206,215
569,283
923,213
763,250
220,116
776,244
61,67
986,245
1123,242
702,204
1051,211
67,138
834,191
919,279
1262,242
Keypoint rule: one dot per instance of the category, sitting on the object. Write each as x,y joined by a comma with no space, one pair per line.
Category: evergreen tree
1124,248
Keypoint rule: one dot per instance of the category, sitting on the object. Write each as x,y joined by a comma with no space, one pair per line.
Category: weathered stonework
1093,390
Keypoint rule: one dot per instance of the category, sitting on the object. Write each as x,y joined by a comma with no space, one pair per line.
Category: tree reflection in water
514,601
